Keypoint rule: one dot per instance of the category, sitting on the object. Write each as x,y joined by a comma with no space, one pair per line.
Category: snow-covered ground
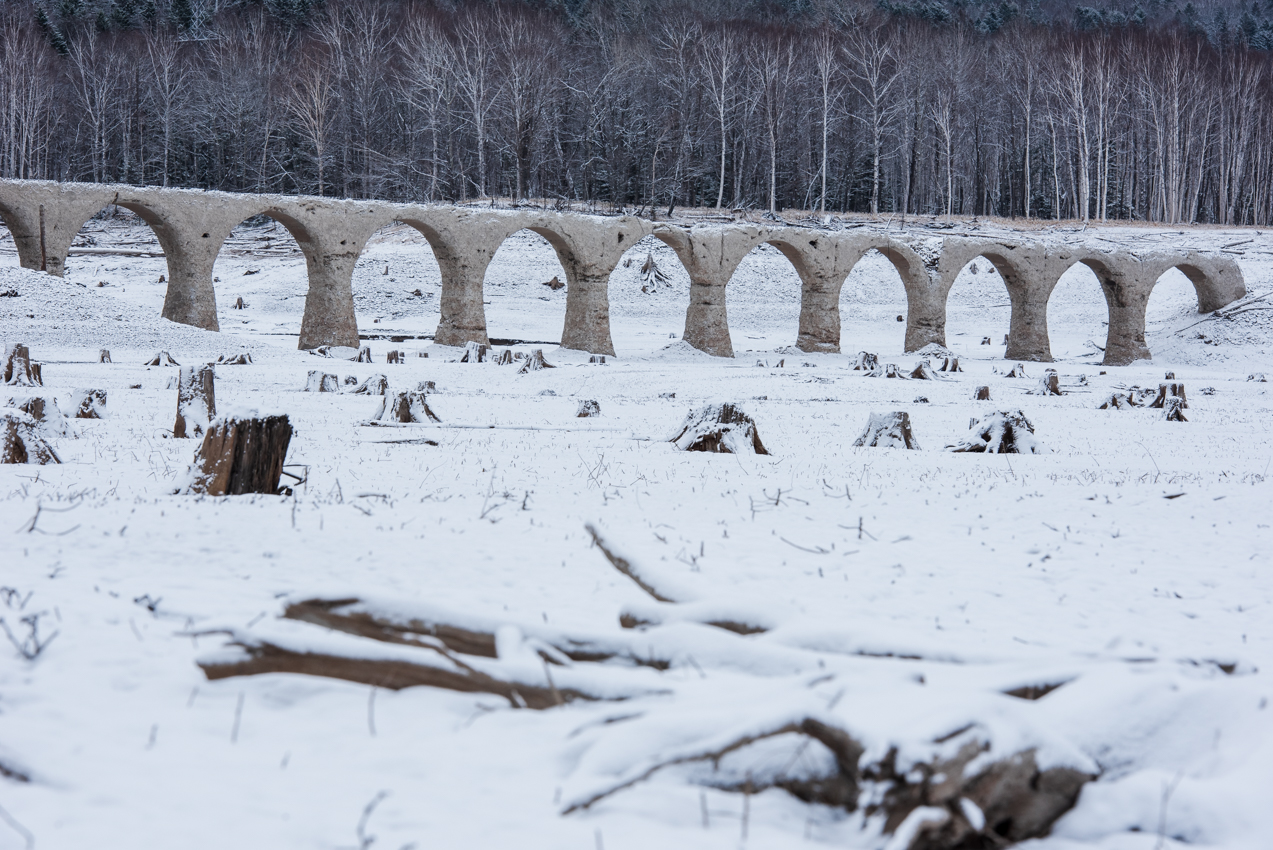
904,592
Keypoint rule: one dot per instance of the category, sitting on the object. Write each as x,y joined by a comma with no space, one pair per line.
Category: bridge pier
710,255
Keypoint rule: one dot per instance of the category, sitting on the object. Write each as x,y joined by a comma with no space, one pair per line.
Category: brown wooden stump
103,356
239,304
475,352
888,430
196,401
19,371
1170,376
598,358
534,362
21,442
1258,377
951,364
427,387
162,358
393,357
1003,432
1118,401
243,358
982,394
985,340
1174,410
1017,371
405,406
89,404
1166,391
322,382
46,413
241,455
719,428
364,355
375,385
923,371
588,407
888,370
866,362
1049,384
505,358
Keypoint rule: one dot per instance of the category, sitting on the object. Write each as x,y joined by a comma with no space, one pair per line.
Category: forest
1158,112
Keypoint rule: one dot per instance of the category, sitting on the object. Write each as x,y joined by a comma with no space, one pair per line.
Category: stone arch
531,312
1110,274
773,298
651,312
924,316
1010,277
431,238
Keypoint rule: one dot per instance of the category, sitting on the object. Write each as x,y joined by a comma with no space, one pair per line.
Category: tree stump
653,278
505,358
393,357
866,362
475,352
923,371
1174,409
888,430
598,358
322,382
375,385
1002,432
888,370
103,356
364,355
89,404
554,284
1049,384
241,454
534,362
196,401
19,371
587,408
422,354
46,413
951,364
1258,377
985,340
426,387
238,304
982,394
721,428
1166,391
1170,376
21,441
405,406
163,358
1118,401
350,381
1017,371
243,358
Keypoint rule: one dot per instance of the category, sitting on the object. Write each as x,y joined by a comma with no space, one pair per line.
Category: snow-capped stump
405,406
653,278
985,340
950,364
1173,409
474,352
21,440
162,358
888,370
1166,391
239,304
375,385
598,358
1017,371
534,362
981,394
1001,432
588,407
923,371
1118,401
19,371
888,430
364,355
104,356
241,453
920,399
321,382
505,358
1257,377
46,413
554,284
720,427
1049,384
243,358
89,404
350,381
426,387
196,401
548,392
866,362
395,357
1208,390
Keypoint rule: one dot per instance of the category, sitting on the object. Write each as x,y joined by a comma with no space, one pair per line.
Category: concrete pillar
24,225
463,318
190,298
1028,331
329,303
1126,340
820,314
710,255
587,326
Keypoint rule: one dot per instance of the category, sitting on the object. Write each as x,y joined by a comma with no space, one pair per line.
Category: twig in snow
365,840
32,645
623,565
26,834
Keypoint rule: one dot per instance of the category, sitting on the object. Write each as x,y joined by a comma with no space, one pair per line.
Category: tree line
902,108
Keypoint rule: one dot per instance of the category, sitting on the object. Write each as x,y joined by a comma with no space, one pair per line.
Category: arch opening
1078,312
872,299
263,263
978,307
521,306
763,299
1174,303
121,249
397,286
8,245
649,289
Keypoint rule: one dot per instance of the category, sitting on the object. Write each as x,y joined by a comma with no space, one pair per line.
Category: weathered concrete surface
191,226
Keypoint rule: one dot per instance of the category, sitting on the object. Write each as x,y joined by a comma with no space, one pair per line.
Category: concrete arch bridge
191,225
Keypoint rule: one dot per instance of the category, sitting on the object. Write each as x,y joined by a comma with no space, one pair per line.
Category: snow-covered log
241,453
888,430
374,385
19,371
720,427
21,440
1001,432
196,401
162,358
321,382
588,407
534,362
89,404
405,406
1169,390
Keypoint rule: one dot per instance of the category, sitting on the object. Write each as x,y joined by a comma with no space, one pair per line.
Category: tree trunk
241,455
